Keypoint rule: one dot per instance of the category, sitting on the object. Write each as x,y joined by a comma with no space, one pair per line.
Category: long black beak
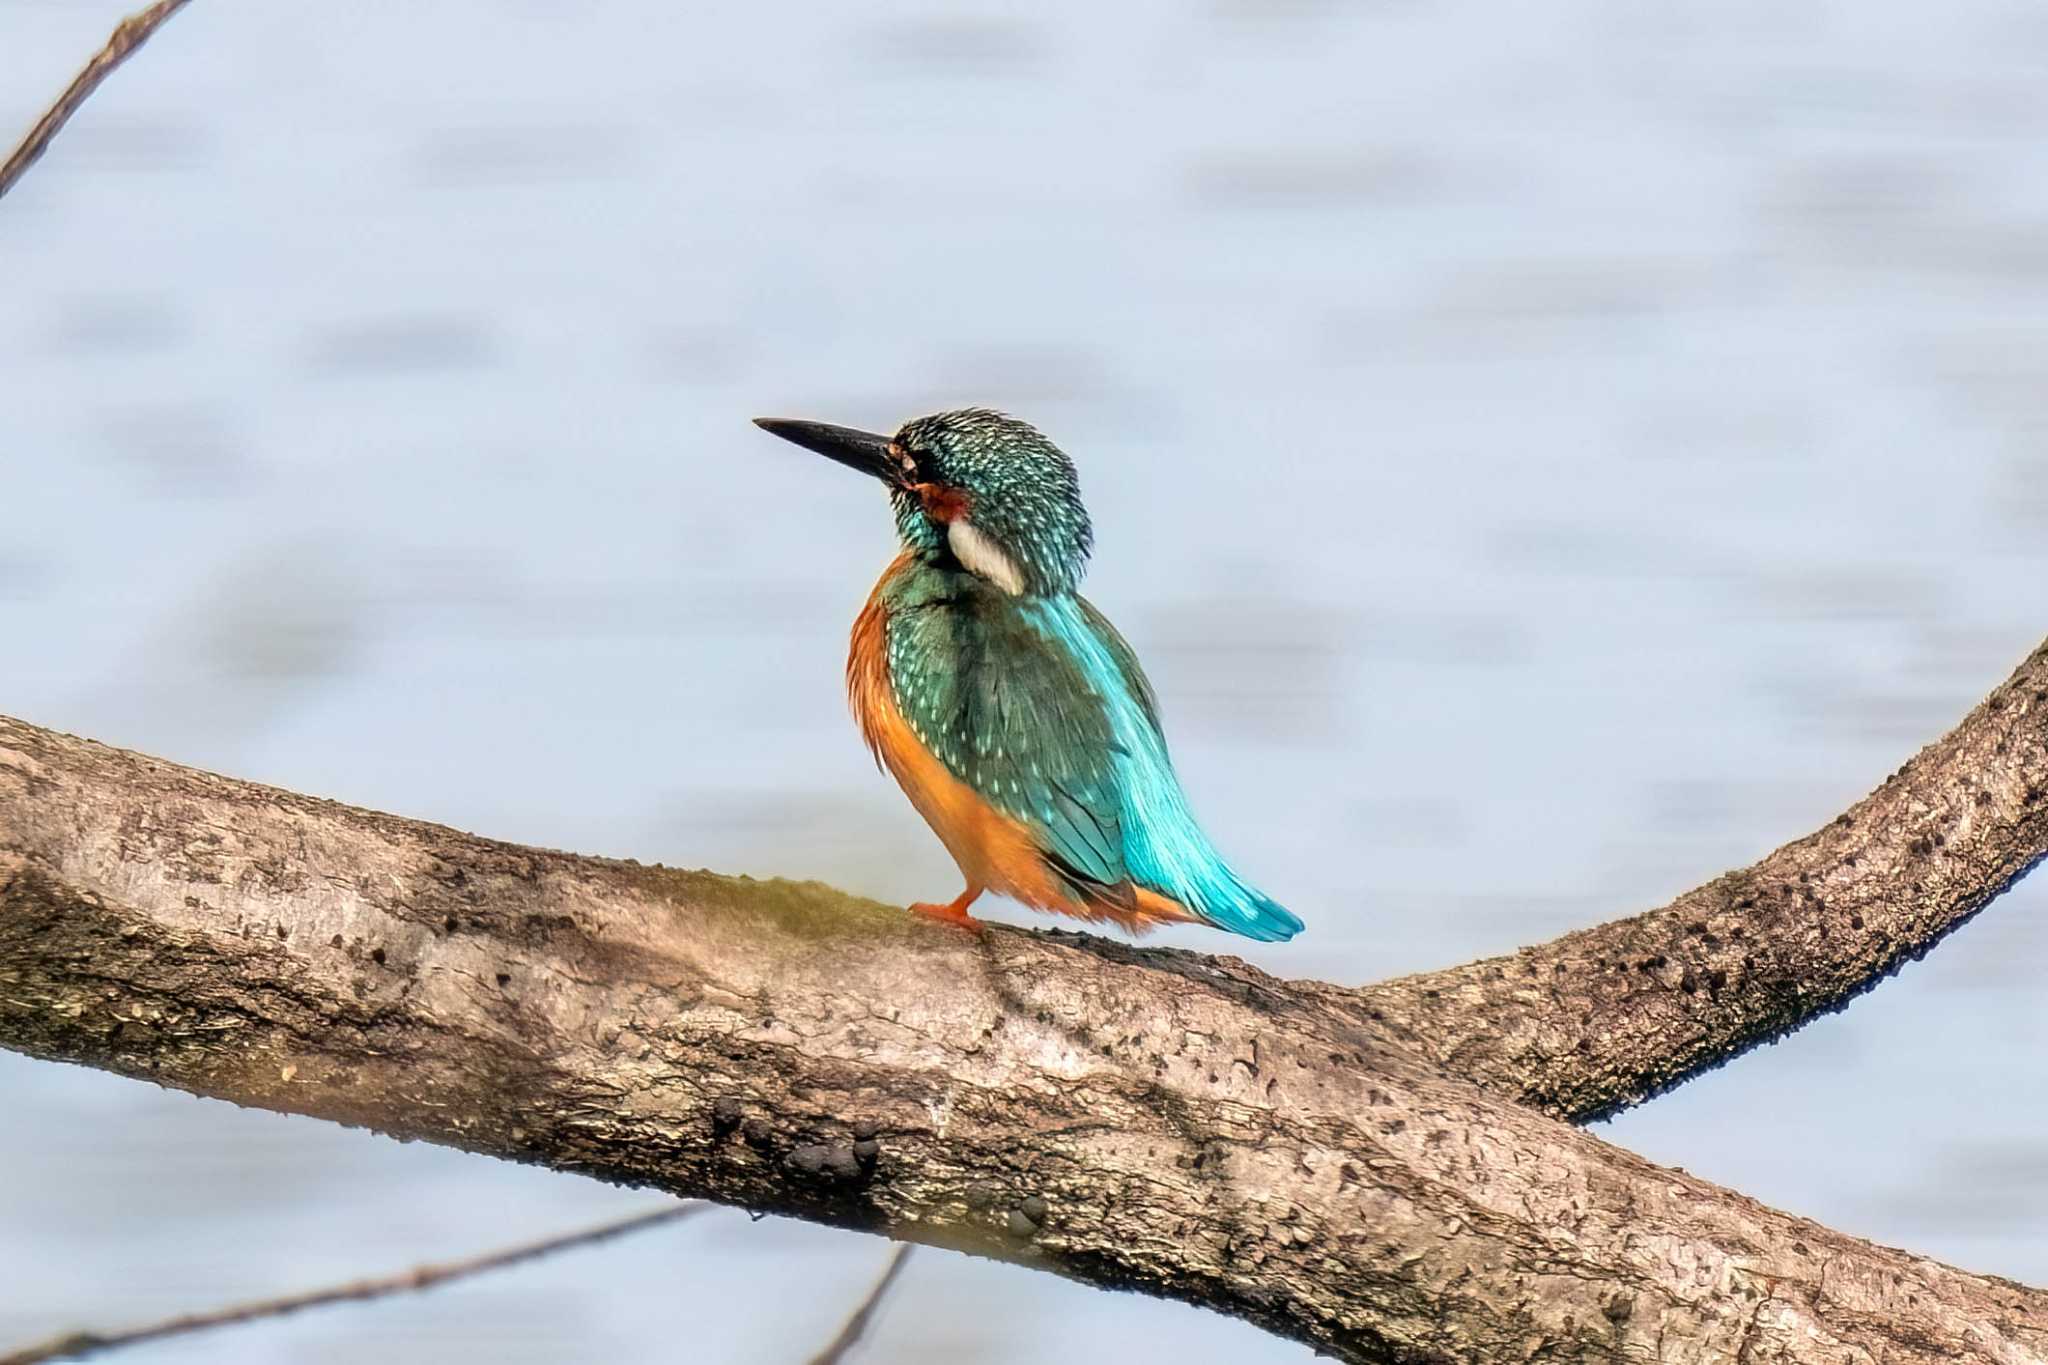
862,450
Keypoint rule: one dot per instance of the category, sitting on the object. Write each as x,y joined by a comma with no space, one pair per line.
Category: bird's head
972,485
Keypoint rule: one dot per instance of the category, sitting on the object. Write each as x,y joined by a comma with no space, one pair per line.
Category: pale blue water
1544,458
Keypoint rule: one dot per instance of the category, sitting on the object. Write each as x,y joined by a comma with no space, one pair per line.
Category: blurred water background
1546,457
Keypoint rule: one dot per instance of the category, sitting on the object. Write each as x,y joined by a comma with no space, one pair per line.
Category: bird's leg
954,912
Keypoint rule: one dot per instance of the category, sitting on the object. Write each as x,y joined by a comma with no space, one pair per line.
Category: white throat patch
983,556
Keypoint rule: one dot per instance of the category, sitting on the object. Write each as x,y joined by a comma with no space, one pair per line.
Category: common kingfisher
1005,705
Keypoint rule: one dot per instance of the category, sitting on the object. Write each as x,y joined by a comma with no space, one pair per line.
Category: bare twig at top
130,34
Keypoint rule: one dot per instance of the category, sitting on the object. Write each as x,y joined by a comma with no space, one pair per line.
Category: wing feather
1009,713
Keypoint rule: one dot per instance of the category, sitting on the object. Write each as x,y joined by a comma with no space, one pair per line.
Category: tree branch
128,35
1606,1017
78,1345
857,1324
1136,1119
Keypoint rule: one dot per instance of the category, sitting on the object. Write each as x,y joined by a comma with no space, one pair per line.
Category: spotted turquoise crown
1022,493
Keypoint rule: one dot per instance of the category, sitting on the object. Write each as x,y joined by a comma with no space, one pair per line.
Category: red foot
954,912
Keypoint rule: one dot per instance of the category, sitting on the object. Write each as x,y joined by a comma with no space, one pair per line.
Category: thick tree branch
1606,1017
79,1345
1154,1120
128,35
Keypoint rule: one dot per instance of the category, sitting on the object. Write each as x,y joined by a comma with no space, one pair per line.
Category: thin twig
74,1345
130,34
856,1326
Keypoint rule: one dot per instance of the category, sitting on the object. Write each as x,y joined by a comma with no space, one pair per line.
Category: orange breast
993,850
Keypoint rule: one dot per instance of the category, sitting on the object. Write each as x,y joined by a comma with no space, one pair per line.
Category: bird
1008,708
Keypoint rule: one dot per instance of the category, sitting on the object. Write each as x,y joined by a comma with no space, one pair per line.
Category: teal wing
1164,849
1135,684
1008,712
1040,706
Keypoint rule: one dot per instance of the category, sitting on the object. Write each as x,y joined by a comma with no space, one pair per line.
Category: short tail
1236,907
1255,915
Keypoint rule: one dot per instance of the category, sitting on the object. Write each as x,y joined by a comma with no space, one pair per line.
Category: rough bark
1156,1120
1606,1017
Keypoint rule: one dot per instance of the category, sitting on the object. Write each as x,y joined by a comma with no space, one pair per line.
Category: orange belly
992,849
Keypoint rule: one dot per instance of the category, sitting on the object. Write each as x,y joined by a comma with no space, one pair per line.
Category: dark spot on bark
1392,1126
1033,1208
835,1163
1017,1225
1983,798
866,1151
757,1132
504,979
725,1115
981,1196
448,925
1688,983
1855,921
283,932
1921,847
1716,979
1618,1309
334,942
377,956
1800,1247
866,1128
